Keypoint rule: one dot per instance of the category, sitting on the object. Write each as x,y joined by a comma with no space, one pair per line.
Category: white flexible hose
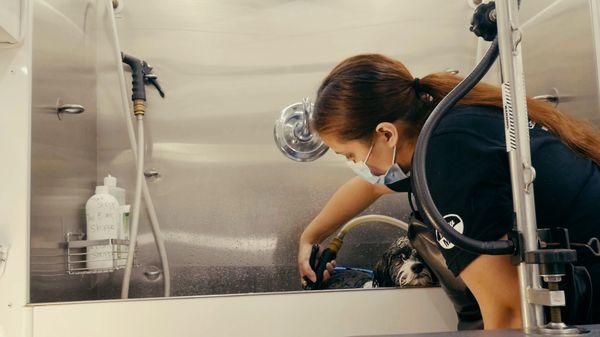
371,218
137,200
158,238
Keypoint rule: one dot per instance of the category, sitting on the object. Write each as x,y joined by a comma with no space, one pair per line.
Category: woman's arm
494,282
349,200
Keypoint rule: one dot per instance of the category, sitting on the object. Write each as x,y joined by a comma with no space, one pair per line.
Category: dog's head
401,266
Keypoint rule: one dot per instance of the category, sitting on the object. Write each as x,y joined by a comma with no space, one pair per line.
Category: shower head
293,135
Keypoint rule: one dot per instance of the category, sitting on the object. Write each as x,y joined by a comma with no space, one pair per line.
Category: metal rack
79,257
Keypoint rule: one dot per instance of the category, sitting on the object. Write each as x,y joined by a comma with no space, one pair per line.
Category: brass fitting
335,244
139,107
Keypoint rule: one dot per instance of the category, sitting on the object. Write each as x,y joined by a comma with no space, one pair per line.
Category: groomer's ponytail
365,90
576,134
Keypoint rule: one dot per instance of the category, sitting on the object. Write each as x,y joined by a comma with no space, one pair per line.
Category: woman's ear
389,132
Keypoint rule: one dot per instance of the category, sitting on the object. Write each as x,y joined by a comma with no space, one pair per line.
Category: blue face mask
392,175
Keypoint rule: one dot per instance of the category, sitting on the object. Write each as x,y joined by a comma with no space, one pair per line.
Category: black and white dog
400,266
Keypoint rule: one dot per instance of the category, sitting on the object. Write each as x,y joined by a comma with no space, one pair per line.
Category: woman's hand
349,200
304,266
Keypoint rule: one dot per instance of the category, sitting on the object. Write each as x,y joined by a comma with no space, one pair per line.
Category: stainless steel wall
232,207
63,152
560,51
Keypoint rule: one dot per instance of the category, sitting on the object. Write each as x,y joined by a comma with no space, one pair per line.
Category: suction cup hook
293,135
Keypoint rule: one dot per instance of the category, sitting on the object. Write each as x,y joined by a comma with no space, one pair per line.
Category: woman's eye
403,256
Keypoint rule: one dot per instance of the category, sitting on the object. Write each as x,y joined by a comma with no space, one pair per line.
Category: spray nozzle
319,263
142,74
151,78
110,181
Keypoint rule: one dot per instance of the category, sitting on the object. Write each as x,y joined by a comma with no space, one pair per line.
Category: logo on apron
456,222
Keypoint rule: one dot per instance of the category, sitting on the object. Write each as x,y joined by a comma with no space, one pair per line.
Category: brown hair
365,90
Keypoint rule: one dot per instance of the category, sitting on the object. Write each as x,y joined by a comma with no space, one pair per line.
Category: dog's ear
381,273
378,274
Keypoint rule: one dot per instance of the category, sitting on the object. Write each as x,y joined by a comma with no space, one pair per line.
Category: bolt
555,315
552,279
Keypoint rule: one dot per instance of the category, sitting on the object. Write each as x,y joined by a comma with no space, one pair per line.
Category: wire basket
95,256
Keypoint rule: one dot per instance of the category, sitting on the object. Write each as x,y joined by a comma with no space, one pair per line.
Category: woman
370,109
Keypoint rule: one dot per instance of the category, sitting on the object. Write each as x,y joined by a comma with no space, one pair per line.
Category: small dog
400,266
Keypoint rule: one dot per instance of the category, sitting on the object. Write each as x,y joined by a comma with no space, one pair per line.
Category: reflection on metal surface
233,206
61,16
63,153
293,135
247,244
552,58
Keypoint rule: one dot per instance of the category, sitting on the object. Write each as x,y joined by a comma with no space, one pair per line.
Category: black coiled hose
419,179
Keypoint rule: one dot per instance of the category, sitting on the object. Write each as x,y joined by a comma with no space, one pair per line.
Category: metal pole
518,147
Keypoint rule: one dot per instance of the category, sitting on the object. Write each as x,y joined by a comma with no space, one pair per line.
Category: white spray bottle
123,231
103,215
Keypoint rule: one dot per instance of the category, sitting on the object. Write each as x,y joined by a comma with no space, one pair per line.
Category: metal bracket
530,179
517,37
546,297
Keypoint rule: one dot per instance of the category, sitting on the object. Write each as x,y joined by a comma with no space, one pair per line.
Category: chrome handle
303,131
152,173
548,98
152,273
70,109
553,98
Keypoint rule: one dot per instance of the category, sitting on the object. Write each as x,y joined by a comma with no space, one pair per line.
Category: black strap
400,185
